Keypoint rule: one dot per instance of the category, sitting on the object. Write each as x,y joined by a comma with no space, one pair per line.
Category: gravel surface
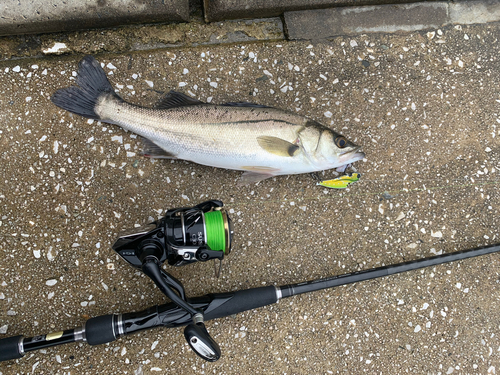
425,107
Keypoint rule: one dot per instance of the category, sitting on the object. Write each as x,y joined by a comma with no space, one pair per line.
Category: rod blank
374,273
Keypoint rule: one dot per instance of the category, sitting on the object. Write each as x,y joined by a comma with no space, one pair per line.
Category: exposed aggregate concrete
425,107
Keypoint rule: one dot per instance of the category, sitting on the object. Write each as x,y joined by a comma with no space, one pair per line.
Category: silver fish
262,141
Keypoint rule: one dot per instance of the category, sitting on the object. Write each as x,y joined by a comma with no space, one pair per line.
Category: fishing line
214,222
347,193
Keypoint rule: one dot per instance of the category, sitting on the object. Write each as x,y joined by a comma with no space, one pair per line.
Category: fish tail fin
82,99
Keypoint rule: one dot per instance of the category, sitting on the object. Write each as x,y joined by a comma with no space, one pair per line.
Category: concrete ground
425,107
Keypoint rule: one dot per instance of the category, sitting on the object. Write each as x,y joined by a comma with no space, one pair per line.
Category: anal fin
152,150
256,174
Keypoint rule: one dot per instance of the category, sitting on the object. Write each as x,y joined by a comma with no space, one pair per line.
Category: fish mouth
351,156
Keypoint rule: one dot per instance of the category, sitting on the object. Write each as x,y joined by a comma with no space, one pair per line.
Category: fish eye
341,142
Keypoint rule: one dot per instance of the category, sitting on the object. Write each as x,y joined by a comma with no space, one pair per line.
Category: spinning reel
183,236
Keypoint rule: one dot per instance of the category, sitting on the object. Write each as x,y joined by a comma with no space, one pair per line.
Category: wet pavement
425,107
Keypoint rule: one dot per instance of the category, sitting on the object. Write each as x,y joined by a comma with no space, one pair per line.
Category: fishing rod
184,236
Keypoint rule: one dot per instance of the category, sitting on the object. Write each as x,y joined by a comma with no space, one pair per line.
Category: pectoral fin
277,146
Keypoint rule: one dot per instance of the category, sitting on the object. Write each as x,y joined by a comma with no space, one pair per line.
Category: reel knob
201,342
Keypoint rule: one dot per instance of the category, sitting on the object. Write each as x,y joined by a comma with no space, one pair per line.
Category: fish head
337,149
328,148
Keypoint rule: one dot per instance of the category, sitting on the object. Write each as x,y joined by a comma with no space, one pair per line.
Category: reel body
182,236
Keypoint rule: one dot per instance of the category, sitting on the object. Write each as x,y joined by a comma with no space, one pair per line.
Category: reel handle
151,268
196,333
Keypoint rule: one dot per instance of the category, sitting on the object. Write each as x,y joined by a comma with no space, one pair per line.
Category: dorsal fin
174,99
244,104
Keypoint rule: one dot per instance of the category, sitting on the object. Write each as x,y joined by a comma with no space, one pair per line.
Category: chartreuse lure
340,182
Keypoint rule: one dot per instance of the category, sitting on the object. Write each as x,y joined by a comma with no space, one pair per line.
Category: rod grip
225,304
9,348
100,330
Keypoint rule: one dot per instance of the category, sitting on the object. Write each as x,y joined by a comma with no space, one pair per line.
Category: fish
340,182
262,141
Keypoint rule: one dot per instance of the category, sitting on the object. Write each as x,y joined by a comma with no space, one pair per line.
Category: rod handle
100,330
10,348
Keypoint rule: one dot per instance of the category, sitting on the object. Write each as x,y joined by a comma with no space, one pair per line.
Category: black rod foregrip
10,348
226,304
213,306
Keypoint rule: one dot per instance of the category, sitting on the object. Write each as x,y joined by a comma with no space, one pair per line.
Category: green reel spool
217,227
